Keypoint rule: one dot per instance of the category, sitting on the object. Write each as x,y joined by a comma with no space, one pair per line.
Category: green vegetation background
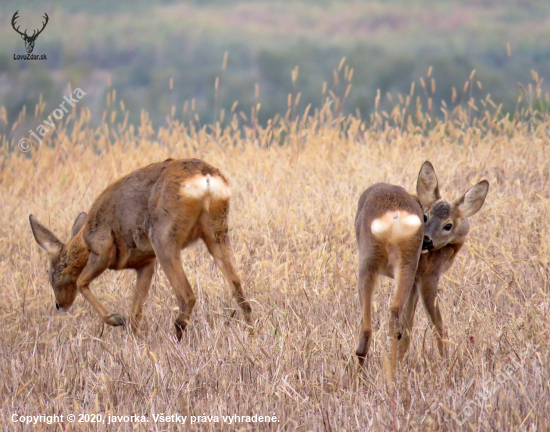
137,46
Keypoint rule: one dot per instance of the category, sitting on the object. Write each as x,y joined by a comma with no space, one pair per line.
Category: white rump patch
412,221
395,226
203,187
218,189
195,187
380,226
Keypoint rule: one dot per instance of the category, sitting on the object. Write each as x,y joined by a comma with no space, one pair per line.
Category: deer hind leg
428,291
404,277
368,272
408,318
169,256
215,237
143,283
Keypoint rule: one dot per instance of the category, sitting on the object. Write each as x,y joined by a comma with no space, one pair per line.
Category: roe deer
152,213
413,239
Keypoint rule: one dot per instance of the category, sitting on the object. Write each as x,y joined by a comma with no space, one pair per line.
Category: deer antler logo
29,40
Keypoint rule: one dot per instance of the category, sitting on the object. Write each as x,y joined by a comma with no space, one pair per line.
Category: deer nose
427,244
56,306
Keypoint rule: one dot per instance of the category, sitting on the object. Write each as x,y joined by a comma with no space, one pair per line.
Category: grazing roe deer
152,213
413,239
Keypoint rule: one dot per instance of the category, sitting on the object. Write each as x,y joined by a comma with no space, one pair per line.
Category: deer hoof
114,319
361,359
180,325
134,324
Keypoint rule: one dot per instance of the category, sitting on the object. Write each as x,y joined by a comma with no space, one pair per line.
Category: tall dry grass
295,188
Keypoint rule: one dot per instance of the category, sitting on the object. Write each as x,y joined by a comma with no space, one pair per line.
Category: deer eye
425,218
448,227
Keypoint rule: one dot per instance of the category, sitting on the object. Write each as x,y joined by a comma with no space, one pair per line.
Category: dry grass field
295,189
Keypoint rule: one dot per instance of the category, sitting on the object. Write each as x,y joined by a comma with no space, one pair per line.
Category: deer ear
470,203
45,238
78,223
427,188
23,37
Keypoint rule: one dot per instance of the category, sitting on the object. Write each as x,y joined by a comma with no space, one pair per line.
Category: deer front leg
143,283
428,291
96,265
440,261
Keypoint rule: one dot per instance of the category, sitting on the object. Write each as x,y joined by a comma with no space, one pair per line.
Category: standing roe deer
391,241
152,213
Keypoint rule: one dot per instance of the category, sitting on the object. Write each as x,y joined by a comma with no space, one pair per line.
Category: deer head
66,262
29,40
446,222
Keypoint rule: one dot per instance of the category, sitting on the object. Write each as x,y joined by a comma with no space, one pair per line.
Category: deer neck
77,253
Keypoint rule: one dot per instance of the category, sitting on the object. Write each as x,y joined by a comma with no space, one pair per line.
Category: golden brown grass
292,218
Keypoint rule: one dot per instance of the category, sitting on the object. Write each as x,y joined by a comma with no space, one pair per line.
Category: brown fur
417,274
145,216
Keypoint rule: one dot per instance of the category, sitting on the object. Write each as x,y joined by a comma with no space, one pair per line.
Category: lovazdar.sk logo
29,39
